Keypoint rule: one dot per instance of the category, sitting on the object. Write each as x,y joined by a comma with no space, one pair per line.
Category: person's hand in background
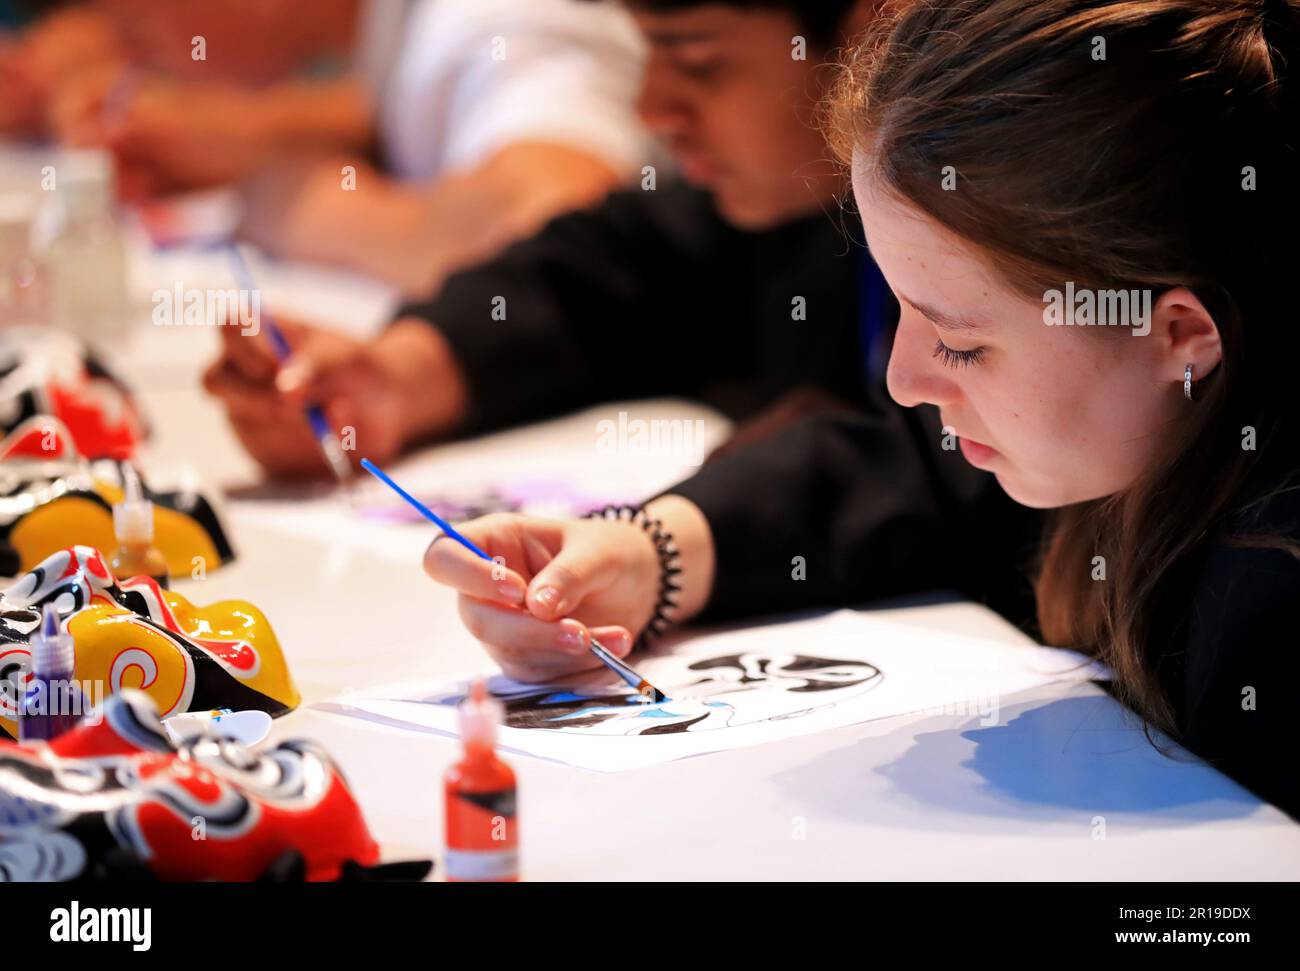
341,211
170,136
380,395
254,42
558,583
22,95
37,65
166,137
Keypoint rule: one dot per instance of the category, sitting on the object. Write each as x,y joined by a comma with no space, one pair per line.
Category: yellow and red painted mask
134,634
53,376
47,505
66,426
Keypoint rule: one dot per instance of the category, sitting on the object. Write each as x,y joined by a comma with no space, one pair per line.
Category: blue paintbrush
642,686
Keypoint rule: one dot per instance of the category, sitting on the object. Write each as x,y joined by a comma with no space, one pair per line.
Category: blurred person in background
403,138
737,287
67,51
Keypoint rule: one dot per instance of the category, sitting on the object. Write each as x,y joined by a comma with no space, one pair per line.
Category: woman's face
1059,414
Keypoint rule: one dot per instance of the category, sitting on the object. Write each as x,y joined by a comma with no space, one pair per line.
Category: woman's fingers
616,640
543,641
324,365
520,637
244,397
316,354
449,563
531,650
560,586
250,355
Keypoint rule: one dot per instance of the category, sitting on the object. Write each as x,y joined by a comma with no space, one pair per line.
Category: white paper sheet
739,688
556,468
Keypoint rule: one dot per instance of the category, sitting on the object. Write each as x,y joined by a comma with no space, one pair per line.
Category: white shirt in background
457,80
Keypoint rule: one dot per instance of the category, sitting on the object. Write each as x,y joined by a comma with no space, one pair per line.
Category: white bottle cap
84,165
84,178
133,516
481,715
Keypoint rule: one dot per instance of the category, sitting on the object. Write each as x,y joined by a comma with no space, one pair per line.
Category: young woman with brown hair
1004,153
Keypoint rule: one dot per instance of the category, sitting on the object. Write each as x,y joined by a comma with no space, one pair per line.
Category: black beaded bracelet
669,563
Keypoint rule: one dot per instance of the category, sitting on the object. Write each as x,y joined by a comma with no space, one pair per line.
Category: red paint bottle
482,828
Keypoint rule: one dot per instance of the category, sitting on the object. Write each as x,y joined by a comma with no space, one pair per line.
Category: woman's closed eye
957,359
700,69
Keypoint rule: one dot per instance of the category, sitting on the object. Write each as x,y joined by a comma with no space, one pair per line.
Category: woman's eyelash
700,70
957,359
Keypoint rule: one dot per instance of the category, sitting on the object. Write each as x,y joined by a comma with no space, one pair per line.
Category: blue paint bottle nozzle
52,654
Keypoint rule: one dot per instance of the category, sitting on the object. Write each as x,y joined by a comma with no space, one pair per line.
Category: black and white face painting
714,692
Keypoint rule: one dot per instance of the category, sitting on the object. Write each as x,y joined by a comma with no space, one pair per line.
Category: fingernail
573,638
511,591
548,597
290,378
611,640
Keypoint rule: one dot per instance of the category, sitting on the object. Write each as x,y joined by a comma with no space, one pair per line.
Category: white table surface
906,798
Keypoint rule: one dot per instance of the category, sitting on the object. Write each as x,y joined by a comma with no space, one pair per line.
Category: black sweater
653,294
877,507
1234,666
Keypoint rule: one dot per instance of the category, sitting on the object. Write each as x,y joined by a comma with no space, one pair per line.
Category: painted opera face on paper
707,693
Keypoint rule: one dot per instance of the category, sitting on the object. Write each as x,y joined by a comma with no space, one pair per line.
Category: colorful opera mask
51,376
67,425
114,798
50,504
134,634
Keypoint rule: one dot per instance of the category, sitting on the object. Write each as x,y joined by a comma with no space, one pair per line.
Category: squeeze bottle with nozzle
482,829
52,703
133,523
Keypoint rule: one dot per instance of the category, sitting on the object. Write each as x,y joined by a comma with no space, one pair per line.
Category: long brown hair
1112,143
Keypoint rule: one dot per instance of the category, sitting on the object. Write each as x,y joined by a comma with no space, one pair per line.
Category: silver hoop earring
1187,382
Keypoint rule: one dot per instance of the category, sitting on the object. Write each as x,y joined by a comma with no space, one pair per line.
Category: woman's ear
1187,335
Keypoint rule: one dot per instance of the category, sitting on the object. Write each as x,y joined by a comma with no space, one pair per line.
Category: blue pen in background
640,684
329,443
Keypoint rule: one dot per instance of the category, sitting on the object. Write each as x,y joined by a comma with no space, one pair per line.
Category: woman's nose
915,376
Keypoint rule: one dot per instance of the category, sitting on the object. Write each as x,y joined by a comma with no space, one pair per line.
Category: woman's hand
553,585
37,65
